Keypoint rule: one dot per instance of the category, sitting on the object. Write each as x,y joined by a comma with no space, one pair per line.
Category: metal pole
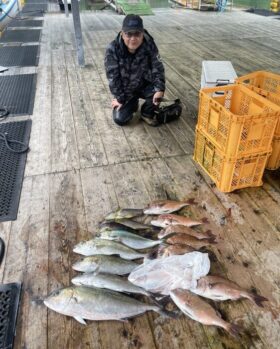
66,8
78,32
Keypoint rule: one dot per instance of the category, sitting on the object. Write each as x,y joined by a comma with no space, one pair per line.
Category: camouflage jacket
128,72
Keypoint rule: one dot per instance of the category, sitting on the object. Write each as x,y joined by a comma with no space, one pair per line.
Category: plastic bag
163,275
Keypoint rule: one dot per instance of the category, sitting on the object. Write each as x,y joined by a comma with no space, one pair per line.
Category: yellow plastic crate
229,174
273,162
266,84
237,120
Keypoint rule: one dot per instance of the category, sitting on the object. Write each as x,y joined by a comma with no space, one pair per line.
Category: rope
8,142
4,112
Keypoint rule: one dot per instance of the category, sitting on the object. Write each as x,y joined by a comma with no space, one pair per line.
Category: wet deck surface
81,166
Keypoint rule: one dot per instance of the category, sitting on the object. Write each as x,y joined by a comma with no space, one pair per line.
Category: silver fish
95,304
166,206
220,289
135,225
111,282
113,226
99,246
129,239
124,213
198,310
105,264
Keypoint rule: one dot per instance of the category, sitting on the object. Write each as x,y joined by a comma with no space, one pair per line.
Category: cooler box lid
218,72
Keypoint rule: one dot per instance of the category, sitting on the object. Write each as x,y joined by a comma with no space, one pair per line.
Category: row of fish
111,256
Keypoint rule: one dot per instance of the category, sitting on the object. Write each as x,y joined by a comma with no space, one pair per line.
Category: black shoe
135,108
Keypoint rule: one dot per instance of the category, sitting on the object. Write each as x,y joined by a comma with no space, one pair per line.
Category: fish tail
210,234
212,240
257,299
205,220
153,254
168,313
160,300
233,329
191,201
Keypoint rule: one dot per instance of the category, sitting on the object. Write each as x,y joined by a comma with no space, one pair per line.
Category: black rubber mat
261,12
12,167
28,35
21,56
9,304
34,8
17,93
25,23
26,15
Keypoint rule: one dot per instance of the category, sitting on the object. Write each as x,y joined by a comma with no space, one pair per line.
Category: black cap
132,23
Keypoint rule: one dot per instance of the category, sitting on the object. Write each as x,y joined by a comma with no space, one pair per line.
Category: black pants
125,113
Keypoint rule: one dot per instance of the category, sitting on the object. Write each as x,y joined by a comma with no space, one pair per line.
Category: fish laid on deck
86,303
105,264
124,213
129,223
165,220
182,229
166,206
111,282
106,247
172,250
198,310
192,241
131,240
221,289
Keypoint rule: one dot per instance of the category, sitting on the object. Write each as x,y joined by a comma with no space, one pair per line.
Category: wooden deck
81,166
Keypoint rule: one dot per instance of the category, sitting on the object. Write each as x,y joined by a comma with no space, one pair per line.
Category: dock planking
81,166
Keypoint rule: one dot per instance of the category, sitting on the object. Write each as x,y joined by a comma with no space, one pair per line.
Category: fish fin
258,299
80,320
213,284
126,321
234,330
205,220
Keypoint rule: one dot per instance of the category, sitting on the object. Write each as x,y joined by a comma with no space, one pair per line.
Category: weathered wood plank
63,138
67,226
100,198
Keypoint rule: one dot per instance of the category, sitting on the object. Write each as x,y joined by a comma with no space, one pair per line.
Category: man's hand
116,104
157,96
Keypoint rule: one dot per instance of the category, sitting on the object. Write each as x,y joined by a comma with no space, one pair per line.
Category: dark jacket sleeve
113,74
157,70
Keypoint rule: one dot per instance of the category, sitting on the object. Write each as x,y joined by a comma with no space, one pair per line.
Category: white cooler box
217,73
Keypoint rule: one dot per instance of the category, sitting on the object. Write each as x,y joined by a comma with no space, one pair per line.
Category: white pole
66,8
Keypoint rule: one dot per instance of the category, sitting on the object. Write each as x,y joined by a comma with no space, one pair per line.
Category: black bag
168,112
